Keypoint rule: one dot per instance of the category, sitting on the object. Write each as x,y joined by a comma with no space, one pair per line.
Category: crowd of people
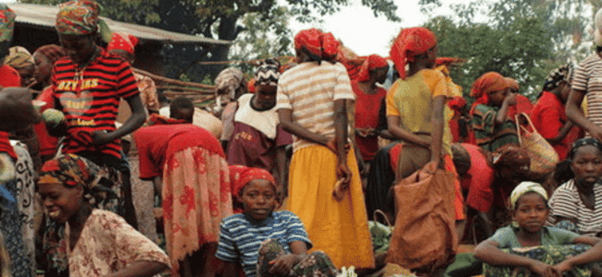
286,174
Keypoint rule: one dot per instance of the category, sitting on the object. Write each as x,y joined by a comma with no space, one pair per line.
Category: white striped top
588,77
566,202
310,90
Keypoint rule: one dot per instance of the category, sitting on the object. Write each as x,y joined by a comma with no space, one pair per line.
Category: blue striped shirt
240,237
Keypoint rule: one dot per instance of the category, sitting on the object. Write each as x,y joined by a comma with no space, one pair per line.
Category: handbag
543,156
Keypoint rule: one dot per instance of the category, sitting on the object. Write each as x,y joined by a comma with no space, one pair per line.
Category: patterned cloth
566,202
10,228
409,43
106,245
18,58
588,79
525,187
486,84
148,92
241,237
228,81
547,254
123,41
371,63
7,25
315,264
78,17
489,135
318,45
268,73
563,73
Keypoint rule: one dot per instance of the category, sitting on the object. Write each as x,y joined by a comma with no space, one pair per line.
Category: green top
506,236
488,135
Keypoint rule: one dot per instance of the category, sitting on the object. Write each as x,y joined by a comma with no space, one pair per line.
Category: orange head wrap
409,43
371,63
319,45
485,85
512,83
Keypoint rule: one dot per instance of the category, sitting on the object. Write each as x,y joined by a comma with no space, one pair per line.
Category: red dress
48,143
478,180
366,117
9,77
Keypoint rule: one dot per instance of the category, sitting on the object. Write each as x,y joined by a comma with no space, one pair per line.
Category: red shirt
366,116
548,117
478,180
156,143
91,103
9,77
523,105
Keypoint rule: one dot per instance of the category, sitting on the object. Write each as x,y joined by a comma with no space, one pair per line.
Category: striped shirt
588,78
91,103
240,238
309,90
566,202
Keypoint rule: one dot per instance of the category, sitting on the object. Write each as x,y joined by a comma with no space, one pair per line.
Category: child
530,212
265,242
82,240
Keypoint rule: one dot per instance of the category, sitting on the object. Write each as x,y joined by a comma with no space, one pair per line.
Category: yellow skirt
338,228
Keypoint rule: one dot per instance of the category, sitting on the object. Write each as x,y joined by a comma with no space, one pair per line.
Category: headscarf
52,51
18,58
319,45
512,83
81,17
524,188
7,26
71,170
123,41
241,176
229,80
486,84
371,63
584,142
268,73
556,76
409,43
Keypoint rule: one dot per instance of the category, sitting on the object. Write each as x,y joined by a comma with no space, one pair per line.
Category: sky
358,29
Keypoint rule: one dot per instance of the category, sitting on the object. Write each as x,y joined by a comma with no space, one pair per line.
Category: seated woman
82,240
264,242
575,205
492,126
529,212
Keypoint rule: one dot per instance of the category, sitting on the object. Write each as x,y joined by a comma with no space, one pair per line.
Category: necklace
79,71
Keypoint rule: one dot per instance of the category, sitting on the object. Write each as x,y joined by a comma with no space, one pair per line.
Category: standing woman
311,103
87,86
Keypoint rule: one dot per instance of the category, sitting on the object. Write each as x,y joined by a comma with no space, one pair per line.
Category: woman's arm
575,114
283,264
592,255
488,252
286,121
562,132
502,114
141,269
399,133
134,122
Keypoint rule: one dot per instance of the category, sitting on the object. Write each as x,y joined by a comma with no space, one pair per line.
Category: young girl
490,122
83,240
530,211
264,242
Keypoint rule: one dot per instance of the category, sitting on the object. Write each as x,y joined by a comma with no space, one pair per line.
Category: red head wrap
409,43
457,103
512,83
371,63
485,85
240,176
319,45
123,41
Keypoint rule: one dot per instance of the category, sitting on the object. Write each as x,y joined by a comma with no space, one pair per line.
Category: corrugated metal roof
44,16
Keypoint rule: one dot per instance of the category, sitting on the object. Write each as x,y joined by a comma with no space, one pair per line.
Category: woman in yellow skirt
311,103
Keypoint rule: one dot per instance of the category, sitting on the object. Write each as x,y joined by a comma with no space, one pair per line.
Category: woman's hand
543,269
343,172
563,267
284,264
510,99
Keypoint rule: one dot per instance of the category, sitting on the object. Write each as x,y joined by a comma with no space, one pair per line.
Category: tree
220,19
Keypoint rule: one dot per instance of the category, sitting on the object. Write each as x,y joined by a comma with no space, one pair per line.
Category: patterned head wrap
228,81
409,43
318,45
7,26
485,85
268,73
524,188
371,63
123,41
584,142
512,83
81,17
240,176
18,58
556,76
52,51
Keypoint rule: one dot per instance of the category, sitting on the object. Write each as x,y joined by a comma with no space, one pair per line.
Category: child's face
259,199
587,164
60,202
531,212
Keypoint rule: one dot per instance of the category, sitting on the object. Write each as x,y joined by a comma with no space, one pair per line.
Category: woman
311,103
45,57
20,59
83,240
575,205
189,170
87,87
548,115
492,126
